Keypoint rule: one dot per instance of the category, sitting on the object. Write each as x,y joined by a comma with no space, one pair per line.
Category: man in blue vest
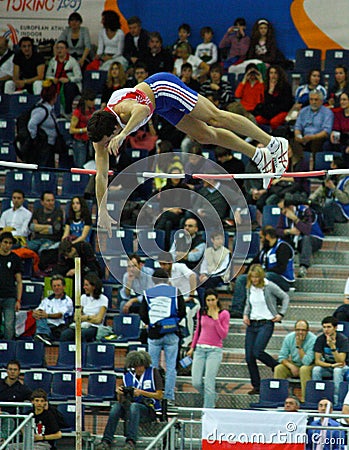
161,310
298,225
276,258
138,399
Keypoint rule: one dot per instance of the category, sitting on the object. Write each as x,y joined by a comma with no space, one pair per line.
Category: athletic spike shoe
264,161
278,148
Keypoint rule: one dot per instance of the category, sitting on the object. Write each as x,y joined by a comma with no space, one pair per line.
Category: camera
295,199
128,392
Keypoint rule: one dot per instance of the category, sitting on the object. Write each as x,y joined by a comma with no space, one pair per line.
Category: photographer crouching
138,399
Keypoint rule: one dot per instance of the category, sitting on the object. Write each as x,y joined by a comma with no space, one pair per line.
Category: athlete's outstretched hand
105,221
115,143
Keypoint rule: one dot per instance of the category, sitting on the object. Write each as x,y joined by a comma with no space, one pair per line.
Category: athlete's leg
206,111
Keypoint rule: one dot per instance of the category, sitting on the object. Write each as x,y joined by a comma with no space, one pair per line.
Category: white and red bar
15,165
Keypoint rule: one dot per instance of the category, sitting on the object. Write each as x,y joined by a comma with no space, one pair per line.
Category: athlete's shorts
173,98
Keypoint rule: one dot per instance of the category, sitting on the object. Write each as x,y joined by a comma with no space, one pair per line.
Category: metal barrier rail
166,437
28,431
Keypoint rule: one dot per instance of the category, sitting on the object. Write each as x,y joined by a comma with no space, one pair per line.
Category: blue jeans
257,337
80,150
337,374
206,363
169,343
239,297
138,413
7,307
38,245
87,334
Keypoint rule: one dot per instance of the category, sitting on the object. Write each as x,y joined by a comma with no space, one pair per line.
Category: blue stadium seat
209,154
64,126
43,181
36,379
246,245
63,386
150,242
241,156
30,353
323,160
117,267
307,59
4,105
18,180
73,184
135,154
19,103
6,203
120,244
99,356
68,410
7,129
272,393
66,356
343,390
27,269
32,294
126,327
271,214
101,386
7,151
7,352
108,292
334,57
95,79
317,390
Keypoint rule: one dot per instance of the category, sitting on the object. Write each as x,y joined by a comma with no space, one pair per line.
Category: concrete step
327,270
237,340
341,229
323,285
320,299
309,312
331,257
336,243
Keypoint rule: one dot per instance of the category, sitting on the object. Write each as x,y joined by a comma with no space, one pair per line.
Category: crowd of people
178,302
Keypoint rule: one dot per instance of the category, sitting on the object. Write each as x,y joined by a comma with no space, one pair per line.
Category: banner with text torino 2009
45,19
227,429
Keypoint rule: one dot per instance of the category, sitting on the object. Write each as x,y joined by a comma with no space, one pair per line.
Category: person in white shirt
53,314
17,217
207,51
200,68
94,306
6,62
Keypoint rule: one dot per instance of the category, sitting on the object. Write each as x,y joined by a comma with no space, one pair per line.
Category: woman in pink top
212,328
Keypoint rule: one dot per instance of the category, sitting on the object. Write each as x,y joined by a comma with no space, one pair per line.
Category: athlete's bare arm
131,113
102,166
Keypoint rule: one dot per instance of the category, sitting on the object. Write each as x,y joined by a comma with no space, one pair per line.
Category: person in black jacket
136,41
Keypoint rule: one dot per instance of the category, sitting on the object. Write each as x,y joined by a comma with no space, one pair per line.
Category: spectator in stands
196,164
173,203
65,72
94,306
184,31
277,99
200,68
6,62
135,281
147,386
215,263
186,76
78,39
229,163
207,51
237,43
188,247
299,226
82,147
340,85
46,424
345,408
333,197
250,90
261,312
342,312
339,137
140,74
116,79
276,258
68,251
11,286
11,388
162,309
46,224
331,354
212,328
215,85
327,439
296,357
17,217
291,404
28,69
136,42
313,126
157,58
54,313
302,93
78,224
164,161
111,40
